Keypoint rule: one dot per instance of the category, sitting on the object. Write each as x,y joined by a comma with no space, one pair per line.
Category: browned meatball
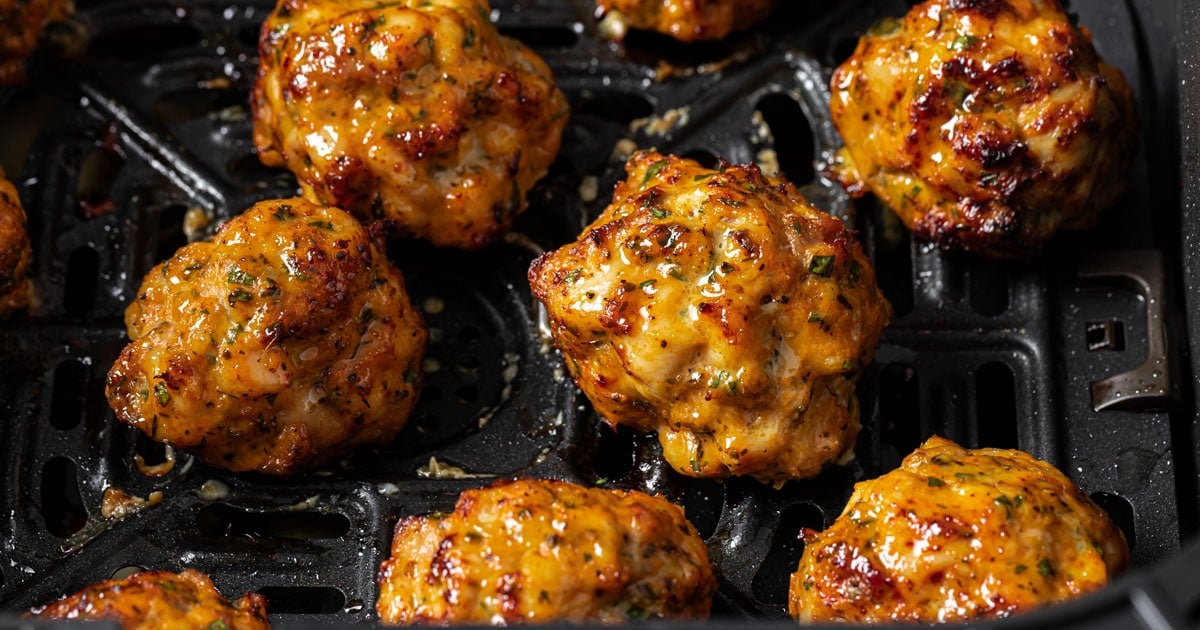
161,600
537,551
285,343
954,535
986,126
21,22
418,112
687,20
723,311
15,287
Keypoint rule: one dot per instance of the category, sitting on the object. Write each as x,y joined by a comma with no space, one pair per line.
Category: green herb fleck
659,213
934,482
601,481
1021,569
647,283
1006,503
653,171
573,276
161,394
239,296
410,376
216,625
963,42
718,379
283,213
702,177
695,466
237,276
544,597
822,265
637,614
815,318
1044,568
324,225
849,364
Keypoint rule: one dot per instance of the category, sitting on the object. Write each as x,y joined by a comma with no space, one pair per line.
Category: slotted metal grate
113,152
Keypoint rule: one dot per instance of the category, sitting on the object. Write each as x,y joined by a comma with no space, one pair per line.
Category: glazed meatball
954,535
416,112
986,126
284,344
161,599
15,287
21,23
536,551
686,20
722,310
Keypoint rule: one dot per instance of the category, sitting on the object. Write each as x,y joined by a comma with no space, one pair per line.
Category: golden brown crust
723,311
15,252
21,23
957,534
417,112
161,600
538,551
985,124
690,20
287,342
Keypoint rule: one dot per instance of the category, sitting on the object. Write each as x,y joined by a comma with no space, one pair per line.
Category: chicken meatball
284,344
722,310
537,551
158,600
687,20
21,23
15,287
986,126
416,112
953,535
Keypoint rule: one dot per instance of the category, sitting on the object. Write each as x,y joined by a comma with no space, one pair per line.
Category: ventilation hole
468,363
153,453
1108,335
303,600
248,35
430,393
126,571
70,391
899,407
621,107
219,520
1120,511
142,41
466,394
613,457
93,188
702,505
186,105
989,288
247,168
62,507
892,255
651,49
542,36
469,334
842,49
771,582
170,231
996,405
79,291
706,158
793,138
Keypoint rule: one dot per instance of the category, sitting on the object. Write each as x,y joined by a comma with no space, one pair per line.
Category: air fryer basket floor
115,148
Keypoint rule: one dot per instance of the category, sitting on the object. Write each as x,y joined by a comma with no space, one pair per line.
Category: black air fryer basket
1081,357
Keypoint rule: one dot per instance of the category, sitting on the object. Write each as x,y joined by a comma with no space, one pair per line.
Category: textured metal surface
110,151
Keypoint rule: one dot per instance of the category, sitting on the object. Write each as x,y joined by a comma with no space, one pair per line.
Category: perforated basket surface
112,147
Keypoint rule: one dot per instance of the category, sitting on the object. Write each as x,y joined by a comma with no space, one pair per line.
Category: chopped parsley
822,265
237,276
653,171
161,394
934,482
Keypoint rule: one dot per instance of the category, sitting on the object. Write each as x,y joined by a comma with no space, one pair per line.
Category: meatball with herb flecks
161,600
285,343
957,535
418,113
986,126
721,310
530,551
